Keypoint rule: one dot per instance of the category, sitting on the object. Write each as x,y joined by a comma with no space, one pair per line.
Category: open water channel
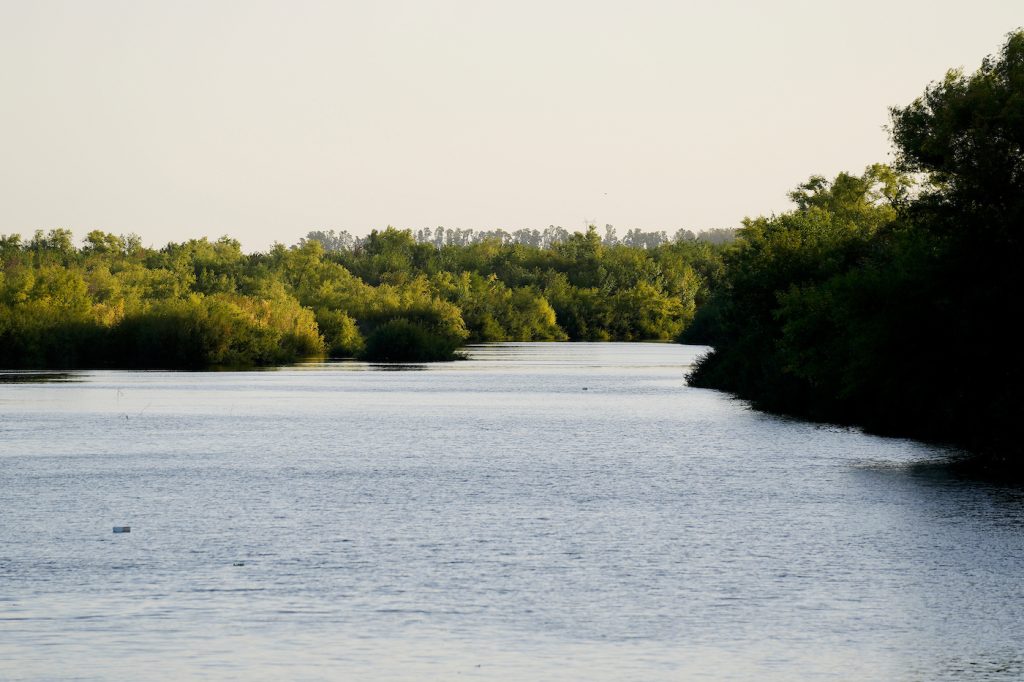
537,512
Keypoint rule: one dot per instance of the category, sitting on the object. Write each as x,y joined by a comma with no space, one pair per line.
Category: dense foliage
887,303
388,296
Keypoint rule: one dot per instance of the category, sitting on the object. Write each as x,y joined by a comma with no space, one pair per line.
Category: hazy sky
264,120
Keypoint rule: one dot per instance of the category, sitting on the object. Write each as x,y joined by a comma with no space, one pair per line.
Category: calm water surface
541,511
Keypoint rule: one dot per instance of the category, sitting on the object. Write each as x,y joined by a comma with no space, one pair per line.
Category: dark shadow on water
954,486
953,465
37,377
1007,665
962,467
350,364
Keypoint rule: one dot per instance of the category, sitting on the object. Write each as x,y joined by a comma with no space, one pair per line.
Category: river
536,512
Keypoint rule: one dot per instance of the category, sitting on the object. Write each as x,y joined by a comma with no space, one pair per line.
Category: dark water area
22,377
539,511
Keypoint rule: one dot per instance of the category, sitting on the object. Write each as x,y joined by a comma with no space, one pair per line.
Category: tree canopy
388,296
889,299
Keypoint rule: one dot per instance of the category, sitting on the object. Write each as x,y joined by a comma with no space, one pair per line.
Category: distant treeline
889,299
543,239
388,296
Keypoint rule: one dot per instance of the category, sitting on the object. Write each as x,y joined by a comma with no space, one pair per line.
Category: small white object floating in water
122,529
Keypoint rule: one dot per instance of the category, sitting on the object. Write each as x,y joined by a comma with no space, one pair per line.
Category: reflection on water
491,519
397,367
26,377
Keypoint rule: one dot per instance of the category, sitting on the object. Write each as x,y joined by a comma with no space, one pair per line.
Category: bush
401,340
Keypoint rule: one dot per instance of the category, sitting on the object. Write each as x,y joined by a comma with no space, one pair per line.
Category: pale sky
264,120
